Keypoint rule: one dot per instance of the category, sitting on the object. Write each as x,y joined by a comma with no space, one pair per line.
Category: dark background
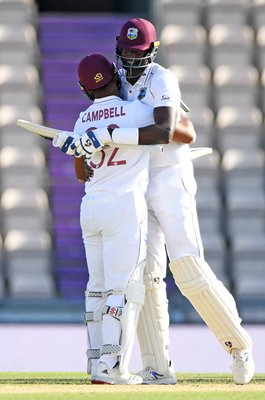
114,6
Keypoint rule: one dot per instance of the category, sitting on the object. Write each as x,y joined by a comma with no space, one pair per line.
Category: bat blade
197,152
40,130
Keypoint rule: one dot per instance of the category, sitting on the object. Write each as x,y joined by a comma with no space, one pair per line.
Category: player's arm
162,131
166,129
166,91
166,114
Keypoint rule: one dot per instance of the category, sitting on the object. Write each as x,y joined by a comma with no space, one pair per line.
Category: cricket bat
49,133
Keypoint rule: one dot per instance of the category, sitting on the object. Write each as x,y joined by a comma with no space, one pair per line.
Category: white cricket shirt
116,170
158,87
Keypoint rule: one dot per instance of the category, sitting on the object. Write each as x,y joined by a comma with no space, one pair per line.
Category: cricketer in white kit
172,218
172,212
173,221
113,219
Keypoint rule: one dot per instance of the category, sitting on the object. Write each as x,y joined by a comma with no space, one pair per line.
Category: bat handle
184,106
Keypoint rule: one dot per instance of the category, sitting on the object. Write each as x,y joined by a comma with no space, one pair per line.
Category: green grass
76,386
134,396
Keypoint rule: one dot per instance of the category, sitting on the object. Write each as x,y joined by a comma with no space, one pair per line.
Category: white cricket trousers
172,214
114,230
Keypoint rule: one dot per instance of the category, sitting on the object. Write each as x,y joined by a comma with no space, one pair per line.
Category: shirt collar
106,99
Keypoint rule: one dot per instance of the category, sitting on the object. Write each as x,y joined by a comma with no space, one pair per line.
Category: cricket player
113,219
172,220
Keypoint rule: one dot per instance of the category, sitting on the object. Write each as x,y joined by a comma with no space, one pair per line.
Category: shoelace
150,374
146,373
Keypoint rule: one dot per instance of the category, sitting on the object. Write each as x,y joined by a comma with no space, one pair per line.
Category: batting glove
91,142
64,140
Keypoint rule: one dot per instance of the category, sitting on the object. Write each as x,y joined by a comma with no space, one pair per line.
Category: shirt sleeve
141,114
166,91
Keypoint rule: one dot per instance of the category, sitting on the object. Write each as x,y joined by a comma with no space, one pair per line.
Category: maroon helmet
95,71
137,34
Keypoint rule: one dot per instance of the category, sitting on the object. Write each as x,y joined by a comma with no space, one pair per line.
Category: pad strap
110,349
88,293
92,316
93,354
118,292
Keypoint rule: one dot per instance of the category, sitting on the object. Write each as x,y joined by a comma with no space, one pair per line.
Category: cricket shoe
113,376
242,366
93,375
151,377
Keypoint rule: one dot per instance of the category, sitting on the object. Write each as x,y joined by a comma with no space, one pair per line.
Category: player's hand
65,141
88,170
91,142
186,122
184,131
87,145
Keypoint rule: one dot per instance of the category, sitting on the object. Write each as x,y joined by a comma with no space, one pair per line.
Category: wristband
125,135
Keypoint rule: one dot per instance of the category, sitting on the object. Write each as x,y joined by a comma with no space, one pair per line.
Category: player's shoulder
158,68
132,107
80,120
158,72
136,105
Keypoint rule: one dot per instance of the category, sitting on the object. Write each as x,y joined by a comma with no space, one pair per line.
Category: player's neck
133,80
133,76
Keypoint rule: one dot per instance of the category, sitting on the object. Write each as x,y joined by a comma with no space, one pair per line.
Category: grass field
75,386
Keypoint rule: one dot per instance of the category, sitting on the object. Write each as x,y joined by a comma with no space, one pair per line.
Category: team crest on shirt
132,33
142,93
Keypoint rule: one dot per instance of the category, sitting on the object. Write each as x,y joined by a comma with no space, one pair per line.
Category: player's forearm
161,132
154,134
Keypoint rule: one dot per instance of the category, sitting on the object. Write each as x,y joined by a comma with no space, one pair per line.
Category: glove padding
87,145
65,141
91,142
